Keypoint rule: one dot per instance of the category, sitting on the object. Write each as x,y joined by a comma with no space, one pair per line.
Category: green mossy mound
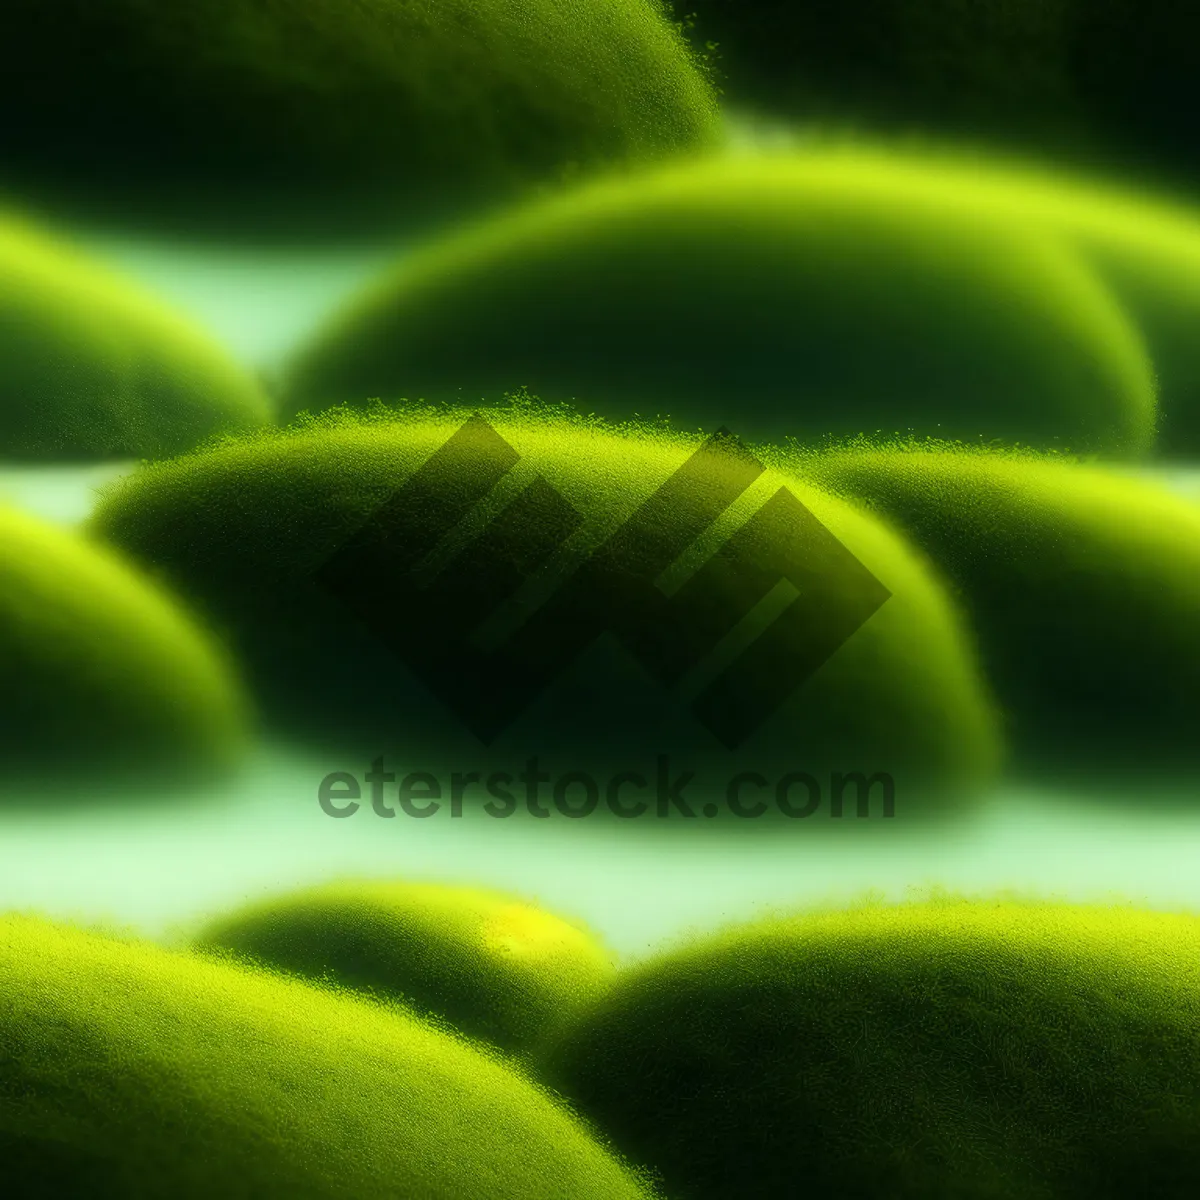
1082,584
129,1071
1144,246
93,368
758,293
1104,80
980,1051
102,669
322,116
495,967
244,529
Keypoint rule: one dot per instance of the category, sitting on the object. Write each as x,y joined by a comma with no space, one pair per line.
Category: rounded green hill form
105,670
263,533
1144,245
758,293
1106,82
325,116
493,966
1083,585
130,1071
953,1049
93,368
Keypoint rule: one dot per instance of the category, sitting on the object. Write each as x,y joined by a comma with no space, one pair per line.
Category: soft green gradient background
160,867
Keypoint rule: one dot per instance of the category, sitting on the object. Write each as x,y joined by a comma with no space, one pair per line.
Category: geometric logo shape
430,620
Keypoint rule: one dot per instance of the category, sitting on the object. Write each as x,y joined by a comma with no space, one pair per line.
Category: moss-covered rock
1083,585
323,115
495,967
980,1051
93,368
258,532
1144,246
103,669
1103,80
758,293
130,1071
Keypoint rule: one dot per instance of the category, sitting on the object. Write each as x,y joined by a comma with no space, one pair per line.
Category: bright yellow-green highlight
495,968
104,668
1001,1048
131,1070
94,368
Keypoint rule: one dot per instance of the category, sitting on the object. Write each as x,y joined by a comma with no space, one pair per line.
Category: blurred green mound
103,670
1144,246
1103,80
333,115
759,293
133,1072
495,967
965,1050
266,534
93,368
1082,584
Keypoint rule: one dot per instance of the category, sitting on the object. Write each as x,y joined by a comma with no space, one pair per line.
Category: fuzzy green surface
130,1071
94,369
958,1050
1101,80
327,115
492,965
1143,244
103,668
241,530
759,293
1083,585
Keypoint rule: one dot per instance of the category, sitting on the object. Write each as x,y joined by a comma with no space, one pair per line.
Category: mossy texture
763,294
1083,585
965,1050
93,368
493,966
1144,245
102,667
130,1071
323,115
244,528
1102,80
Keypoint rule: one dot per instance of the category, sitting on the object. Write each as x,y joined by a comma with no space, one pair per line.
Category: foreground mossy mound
1084,588
323,116
258,532
104,670
93,368
758,293
1104,81
130,1071
493,966
953,1049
